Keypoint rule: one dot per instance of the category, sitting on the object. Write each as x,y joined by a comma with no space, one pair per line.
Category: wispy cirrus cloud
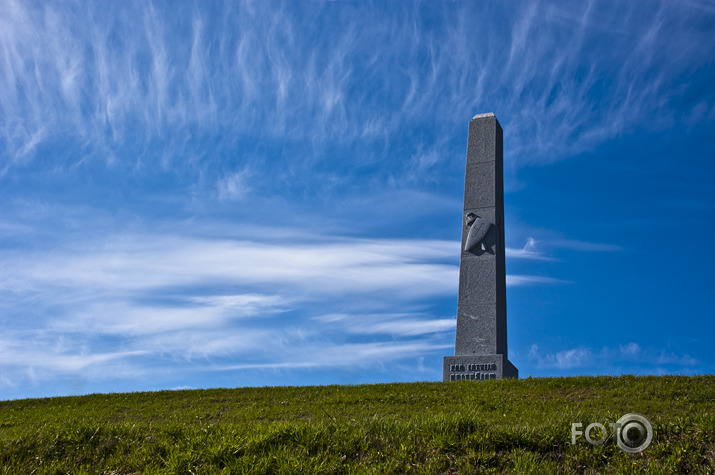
610,360
530,251
350,355
523,280
543,248
234,186
130,263
85,305
207,299
388,324
257,70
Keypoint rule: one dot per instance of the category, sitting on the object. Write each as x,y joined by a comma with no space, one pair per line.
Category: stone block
480,343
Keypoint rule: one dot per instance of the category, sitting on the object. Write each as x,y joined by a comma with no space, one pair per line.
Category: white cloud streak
535,250
351,355
530,251
234,186
388,324
133,263
524,280
92,304
116,301
611,359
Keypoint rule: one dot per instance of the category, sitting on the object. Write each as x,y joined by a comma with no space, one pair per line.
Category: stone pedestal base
477,367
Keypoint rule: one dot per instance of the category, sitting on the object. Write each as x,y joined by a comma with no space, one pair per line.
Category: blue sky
221,194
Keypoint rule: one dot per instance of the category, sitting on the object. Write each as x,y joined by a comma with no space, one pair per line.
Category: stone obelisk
480,350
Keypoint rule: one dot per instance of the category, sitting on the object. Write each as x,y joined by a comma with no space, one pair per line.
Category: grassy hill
462,427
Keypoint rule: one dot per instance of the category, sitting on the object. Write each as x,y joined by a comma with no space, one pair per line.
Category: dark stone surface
481,308
477,326
457,368
482,180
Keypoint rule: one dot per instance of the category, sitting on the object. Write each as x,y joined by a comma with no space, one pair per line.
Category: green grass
517,426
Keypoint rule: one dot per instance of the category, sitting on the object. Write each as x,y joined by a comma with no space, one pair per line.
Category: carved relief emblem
478,229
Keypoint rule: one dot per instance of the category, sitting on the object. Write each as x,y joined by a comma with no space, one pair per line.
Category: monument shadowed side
480,350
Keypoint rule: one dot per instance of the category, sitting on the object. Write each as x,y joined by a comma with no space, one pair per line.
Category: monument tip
480,116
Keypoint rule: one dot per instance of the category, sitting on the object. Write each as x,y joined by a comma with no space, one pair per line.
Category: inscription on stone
473,367
477,372
472,376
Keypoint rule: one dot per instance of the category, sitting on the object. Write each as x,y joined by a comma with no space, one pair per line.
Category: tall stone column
480,350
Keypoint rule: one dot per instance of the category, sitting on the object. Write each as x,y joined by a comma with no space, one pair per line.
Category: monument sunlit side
480,350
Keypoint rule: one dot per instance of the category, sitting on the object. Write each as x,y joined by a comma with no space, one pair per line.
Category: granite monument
480,350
